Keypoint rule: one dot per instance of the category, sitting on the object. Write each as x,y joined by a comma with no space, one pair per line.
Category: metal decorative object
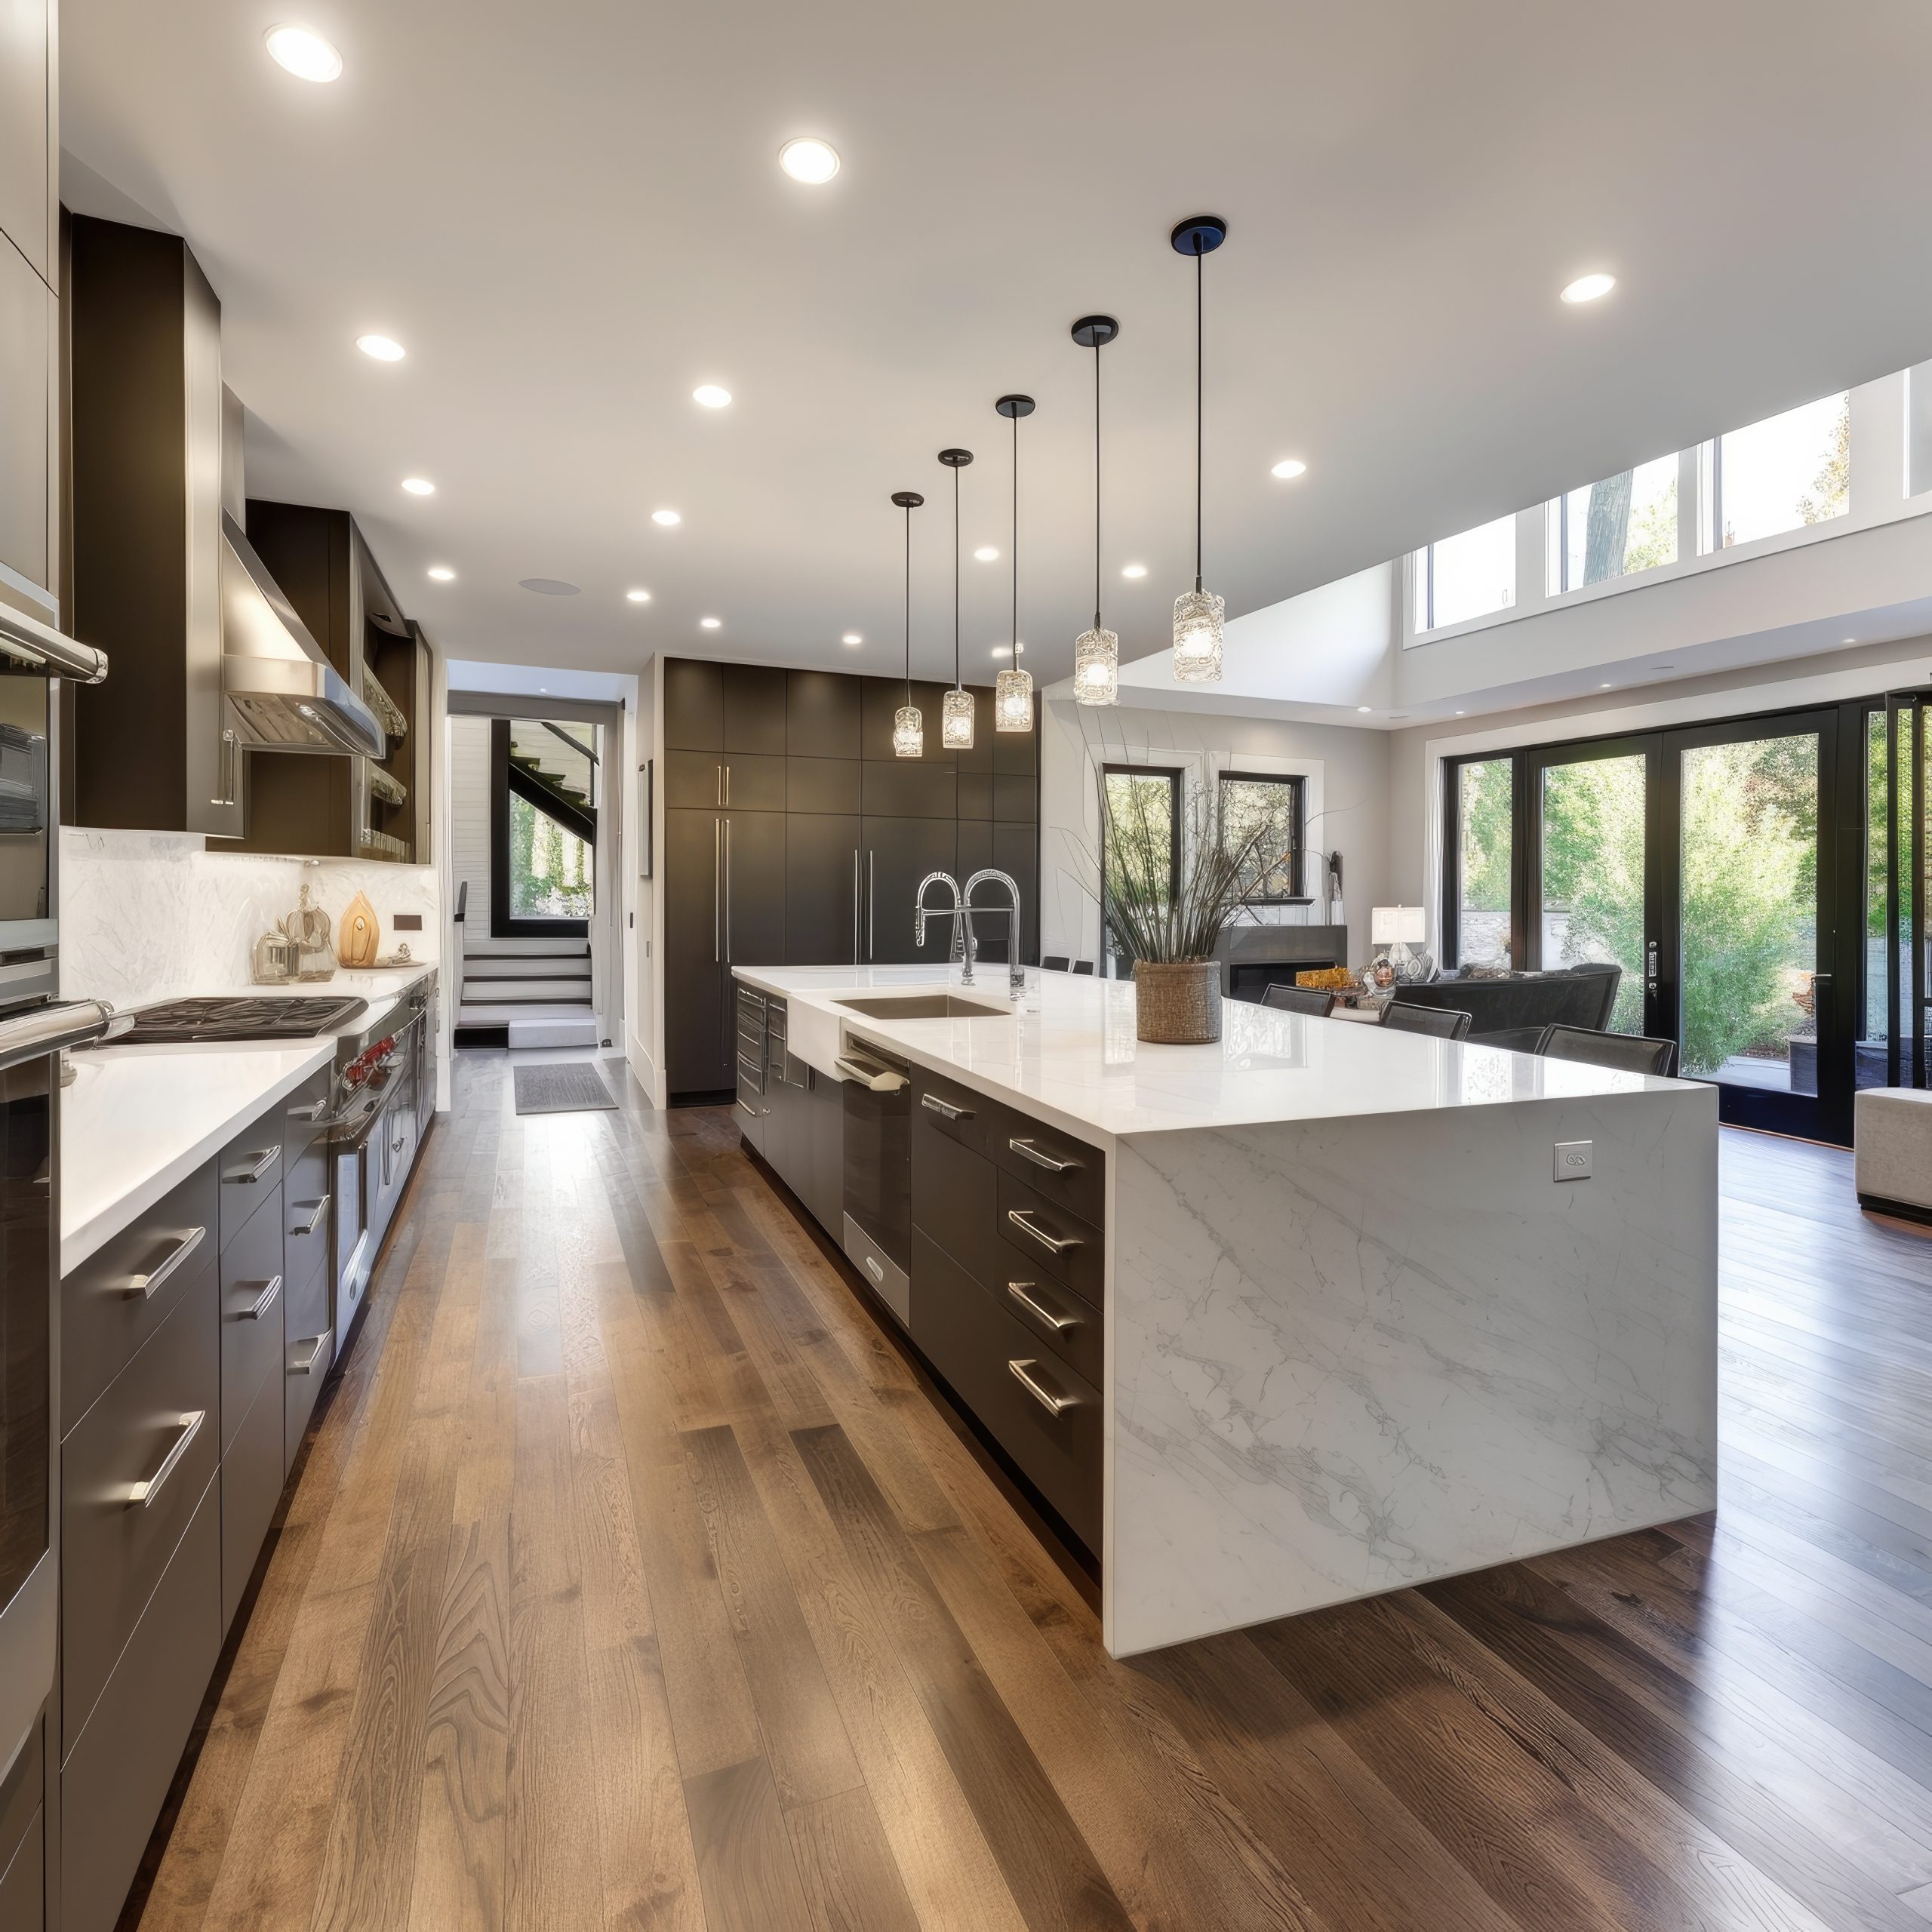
308,927
1096,652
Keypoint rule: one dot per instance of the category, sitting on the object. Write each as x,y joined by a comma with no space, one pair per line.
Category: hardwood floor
632,1580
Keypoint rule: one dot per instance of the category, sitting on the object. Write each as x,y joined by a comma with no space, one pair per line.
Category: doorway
1710,862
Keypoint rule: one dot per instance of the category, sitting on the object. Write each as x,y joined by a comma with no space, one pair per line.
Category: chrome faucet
962,947
1016,970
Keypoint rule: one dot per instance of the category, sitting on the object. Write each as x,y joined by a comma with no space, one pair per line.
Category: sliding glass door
1705,862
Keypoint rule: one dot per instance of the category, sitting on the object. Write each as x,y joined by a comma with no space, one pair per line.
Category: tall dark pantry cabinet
792,836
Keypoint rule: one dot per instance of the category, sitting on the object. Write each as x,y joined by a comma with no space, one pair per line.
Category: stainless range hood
285,693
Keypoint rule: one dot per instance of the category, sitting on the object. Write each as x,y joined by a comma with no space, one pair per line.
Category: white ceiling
571,215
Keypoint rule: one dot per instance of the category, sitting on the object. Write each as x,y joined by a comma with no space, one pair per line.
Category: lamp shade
1398,925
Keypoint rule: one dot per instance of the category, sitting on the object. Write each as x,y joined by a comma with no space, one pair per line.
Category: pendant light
1097,652
1198,612
908,736
955,710
1013,690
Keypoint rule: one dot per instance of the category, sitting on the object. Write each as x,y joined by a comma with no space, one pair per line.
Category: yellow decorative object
358,936
1327,979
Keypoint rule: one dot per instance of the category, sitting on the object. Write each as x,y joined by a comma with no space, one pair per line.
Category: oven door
878,1231
26,834
31,1043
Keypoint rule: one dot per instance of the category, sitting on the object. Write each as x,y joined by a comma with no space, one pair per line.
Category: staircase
536,992
556,773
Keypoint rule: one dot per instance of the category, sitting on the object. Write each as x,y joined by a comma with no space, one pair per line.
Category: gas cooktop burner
190,1020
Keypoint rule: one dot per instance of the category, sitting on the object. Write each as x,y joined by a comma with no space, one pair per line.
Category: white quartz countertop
138,1120
1067,1054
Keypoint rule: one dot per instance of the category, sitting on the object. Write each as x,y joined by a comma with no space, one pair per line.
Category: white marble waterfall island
1356,1334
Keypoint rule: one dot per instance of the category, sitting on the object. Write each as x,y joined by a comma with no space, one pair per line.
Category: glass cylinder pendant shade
1097,667
955,720
909,738
1013,701
1197,638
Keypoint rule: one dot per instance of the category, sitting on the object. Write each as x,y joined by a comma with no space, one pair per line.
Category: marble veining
1349,1357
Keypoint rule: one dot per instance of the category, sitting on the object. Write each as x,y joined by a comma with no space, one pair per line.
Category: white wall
149,915
1346,798
469,819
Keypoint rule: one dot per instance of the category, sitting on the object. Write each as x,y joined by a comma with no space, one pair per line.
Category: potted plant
1165,899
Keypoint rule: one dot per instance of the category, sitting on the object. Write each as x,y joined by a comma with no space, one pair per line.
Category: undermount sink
925,1006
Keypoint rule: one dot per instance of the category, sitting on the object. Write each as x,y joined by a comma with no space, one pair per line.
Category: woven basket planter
1177,1005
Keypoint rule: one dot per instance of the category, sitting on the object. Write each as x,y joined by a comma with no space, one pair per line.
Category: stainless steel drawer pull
263,1160
1058,1323
263,1302
1054,1405
1023,1219
873,1270
314,1111
316,1216
880,1079
750,1113
1027,1151
144,1285
145,1493
944,1109
317,1347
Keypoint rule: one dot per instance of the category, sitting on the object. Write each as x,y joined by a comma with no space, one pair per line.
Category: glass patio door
1749,984
1594,888
1891,1049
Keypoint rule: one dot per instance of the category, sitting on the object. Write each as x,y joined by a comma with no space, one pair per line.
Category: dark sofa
1513,1012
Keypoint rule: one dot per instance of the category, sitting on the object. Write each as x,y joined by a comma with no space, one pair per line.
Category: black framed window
1482,914
542,828
1269,804
1144,803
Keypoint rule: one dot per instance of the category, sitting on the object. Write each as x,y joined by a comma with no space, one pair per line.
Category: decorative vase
359,935
1177,1005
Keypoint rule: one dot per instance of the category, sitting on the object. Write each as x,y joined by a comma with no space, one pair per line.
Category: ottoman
1892,1132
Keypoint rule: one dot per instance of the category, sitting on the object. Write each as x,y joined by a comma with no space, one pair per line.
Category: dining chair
1439,1022
1054,962
1084,966
1314,1001
1630,1053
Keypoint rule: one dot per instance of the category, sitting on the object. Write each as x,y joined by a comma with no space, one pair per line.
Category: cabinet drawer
251,1308
251,1478
1045,1235
306,1357
694,780
23,1882
1055,1166
20,1797
249,1166
305,1212
1072,1328
955,1200
130,1476
120,1294
305,1115
957,1112
1053,1436
117,1774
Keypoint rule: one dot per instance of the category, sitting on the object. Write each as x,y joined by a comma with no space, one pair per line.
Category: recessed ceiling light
1850,640
1002,650
1133,570
1589,287
987,553
1363,707
381,348
851,637
666,518
1606,687
1462,714
809,160
711,623
305,55
711,396
418,486
638,596
1289,467
441,574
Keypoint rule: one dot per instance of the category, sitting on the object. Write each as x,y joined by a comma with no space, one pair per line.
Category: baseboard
1897,1210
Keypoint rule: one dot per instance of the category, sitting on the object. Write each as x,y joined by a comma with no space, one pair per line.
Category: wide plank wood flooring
633,1580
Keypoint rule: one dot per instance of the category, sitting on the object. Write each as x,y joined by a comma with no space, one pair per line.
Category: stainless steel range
379,1109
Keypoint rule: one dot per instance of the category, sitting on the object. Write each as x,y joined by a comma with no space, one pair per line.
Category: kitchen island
1356,1332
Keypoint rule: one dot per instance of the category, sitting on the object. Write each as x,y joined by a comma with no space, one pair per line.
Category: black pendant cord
1015,419
956,684
1097,485
1199,257
908,605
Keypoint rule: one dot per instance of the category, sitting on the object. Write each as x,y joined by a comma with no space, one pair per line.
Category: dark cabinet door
823,889
1012,849
754,781
754,709
822,715
694,779
822,785
898,852
697,1052
754,869
694,706
978,756
1018,751
907,788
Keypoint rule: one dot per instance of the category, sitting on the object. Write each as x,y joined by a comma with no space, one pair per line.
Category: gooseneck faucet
1015,969
962,948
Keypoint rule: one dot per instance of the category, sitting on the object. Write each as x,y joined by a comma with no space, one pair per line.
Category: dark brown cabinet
793,835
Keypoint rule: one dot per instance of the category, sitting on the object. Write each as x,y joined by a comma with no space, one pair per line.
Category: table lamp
1398,927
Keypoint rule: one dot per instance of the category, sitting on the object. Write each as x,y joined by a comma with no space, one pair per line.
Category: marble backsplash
158,915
